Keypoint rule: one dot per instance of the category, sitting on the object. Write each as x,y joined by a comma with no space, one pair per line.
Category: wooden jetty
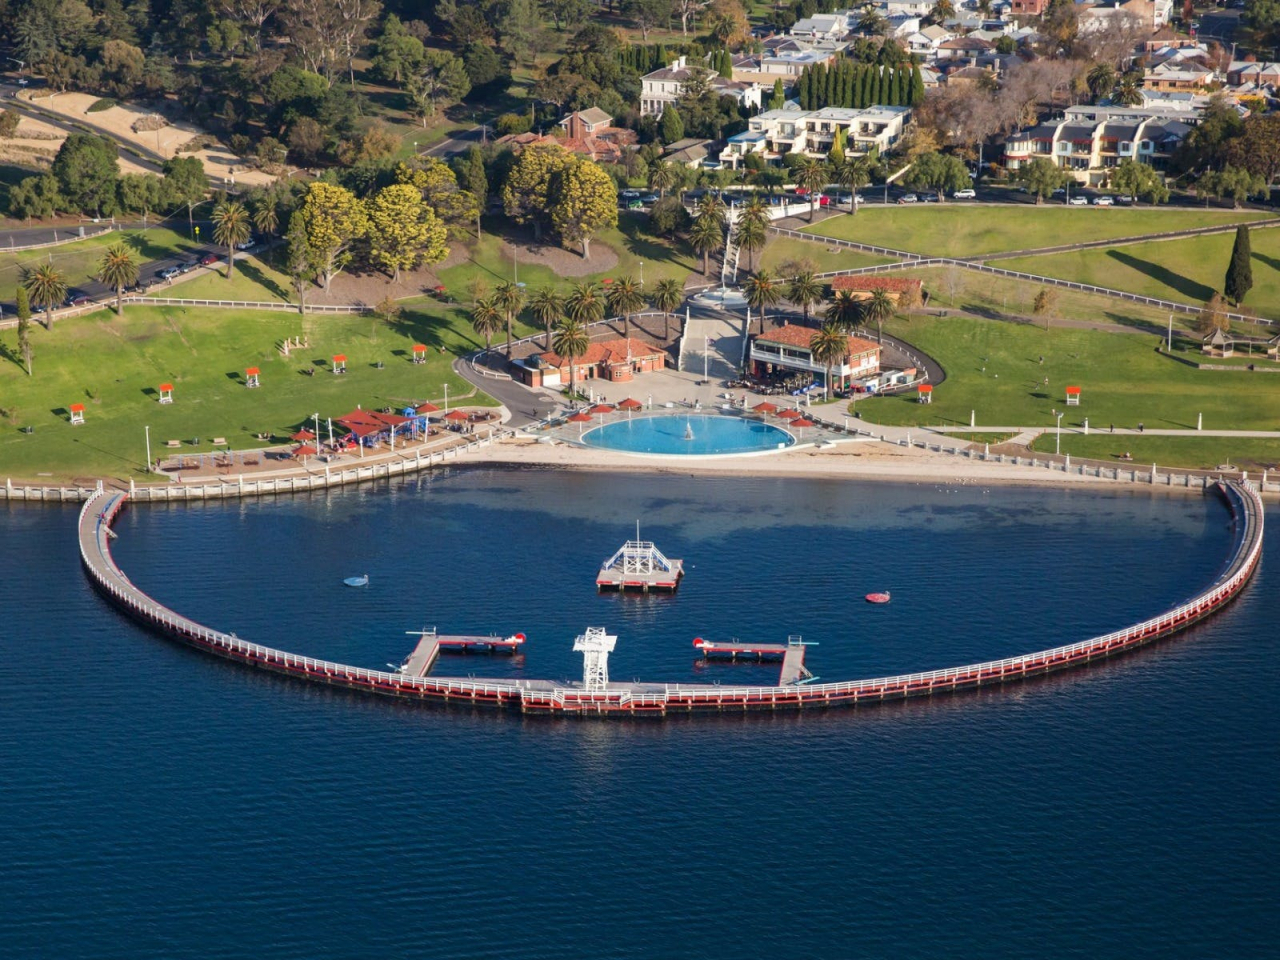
791,654
424,656
639,565
596,696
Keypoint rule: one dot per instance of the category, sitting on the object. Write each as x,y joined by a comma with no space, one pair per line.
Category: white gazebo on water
595,646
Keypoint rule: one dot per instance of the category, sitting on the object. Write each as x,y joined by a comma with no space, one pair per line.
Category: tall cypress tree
802,89
904,87
875,86
833,88
864,85
1239,273
891,87
917,87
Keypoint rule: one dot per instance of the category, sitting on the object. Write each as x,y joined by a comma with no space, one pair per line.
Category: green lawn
993,368
660,260
79,261
254,280
965,229
825,259
1187,271
978,436
1205,453
113,366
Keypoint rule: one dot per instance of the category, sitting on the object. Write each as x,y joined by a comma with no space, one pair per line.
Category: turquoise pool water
671,435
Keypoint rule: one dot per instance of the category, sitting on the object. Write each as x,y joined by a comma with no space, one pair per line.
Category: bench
219,441
173,443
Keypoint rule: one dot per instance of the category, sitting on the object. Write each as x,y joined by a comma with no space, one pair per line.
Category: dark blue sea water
157,803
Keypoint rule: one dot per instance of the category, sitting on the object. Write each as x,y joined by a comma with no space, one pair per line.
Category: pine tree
1240,272
779,98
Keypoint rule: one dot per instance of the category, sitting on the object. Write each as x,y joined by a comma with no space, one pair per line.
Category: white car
908,198
965,195
1078,202
1104,201
1125,198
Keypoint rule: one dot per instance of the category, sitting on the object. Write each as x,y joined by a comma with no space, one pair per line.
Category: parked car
186,266
965,195
248,244
649,198
168,273
928,198
75,298
1060,191
908,198
1125,198
630,194
209,259
1079,201
636,204
1104,201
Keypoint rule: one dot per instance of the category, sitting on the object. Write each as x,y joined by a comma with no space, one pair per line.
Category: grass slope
966,229
78,261
1203,453
783,249
1187,271
113,366
993,368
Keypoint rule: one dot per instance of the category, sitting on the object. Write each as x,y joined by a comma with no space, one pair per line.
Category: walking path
713,345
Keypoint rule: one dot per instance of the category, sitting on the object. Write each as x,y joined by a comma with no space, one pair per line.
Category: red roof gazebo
251,376
419,353
924,393
166,393
1073,396
427,407
77,413
457,415
339,363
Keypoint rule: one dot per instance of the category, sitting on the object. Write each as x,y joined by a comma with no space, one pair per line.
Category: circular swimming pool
689,435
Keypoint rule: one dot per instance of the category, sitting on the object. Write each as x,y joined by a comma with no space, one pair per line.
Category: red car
209,259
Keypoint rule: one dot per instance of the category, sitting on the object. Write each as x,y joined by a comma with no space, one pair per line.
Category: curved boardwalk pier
657,699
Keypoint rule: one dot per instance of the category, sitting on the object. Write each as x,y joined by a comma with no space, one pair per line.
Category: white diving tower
595,646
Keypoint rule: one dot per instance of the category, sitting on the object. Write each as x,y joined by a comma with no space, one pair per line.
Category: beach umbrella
303,436
457,415
304,451
580,418
802,422
427,407
601,408
764,406
790,414
630,404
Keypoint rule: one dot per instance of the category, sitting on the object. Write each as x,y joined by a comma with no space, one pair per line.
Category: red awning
251,371
339,358
77,408
166,387
389,419
1073,389
419,348
428,407
364,429
356,416
926,388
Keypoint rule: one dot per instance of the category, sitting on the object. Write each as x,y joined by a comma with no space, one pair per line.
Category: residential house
789,349
825,26
911,8
775,133
962,48
1029,8
593,120
666,86
1178,77
596,140
689,152
925,41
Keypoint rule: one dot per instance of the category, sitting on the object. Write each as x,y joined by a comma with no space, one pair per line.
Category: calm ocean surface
155,803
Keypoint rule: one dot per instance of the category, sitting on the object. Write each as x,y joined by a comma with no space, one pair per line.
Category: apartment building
776,133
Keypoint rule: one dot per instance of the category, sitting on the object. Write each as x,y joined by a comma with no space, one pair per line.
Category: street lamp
148,429
1057,443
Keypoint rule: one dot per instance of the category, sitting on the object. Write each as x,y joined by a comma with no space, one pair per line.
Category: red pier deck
791,654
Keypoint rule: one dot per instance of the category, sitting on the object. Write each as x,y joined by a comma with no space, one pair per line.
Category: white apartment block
776,133
666,86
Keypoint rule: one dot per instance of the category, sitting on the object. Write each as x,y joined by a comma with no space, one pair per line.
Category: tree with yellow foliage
584,201
333,219
526,198
403,230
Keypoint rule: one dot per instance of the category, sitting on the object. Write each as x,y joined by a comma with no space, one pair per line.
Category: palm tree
118,269
266,217
853,175
710,205
663,177
47,288
706,234
486,320
828,346
624,298
804,291
231,228
584,304
571,341
811,174
666,297
547,306
763,291
878,308
843,310
753,225
509,298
